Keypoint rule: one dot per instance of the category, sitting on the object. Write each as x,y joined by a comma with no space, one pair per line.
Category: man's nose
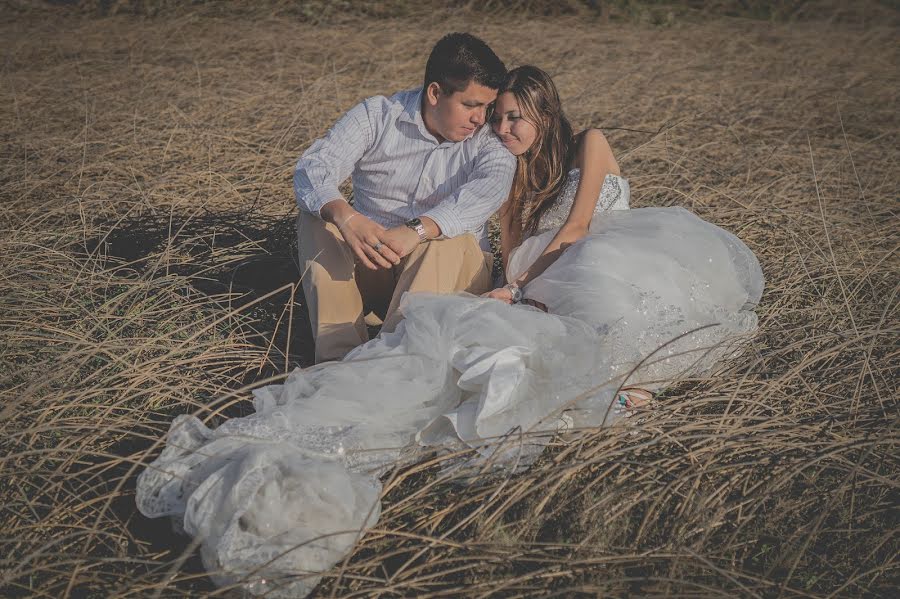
478,116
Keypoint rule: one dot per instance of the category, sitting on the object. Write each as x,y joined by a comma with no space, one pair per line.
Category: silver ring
377,247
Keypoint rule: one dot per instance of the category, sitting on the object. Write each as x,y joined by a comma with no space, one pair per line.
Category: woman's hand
505,295
501,293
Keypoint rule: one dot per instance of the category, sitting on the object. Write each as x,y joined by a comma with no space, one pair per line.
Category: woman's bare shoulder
594,148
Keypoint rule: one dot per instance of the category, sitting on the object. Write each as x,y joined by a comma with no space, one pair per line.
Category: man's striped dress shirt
400,171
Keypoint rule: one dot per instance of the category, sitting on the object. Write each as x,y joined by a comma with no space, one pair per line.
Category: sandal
631,400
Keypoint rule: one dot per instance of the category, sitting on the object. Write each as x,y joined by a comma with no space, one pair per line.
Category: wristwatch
515,291
416,225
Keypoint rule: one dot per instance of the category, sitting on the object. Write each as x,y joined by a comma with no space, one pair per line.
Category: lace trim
611,194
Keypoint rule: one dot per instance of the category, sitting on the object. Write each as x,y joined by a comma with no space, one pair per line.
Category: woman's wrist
515,292
571,232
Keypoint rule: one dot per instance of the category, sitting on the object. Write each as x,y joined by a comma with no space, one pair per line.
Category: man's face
456,116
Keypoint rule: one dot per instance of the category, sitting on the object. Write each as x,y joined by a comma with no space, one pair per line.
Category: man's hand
402,240
362,234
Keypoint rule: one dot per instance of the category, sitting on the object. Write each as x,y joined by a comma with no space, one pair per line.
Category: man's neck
428,119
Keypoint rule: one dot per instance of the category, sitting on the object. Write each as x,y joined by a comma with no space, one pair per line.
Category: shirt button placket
425,186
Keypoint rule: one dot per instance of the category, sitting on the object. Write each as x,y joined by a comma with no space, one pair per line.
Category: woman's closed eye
509,117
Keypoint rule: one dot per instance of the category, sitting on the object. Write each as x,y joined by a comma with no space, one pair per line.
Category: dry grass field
147,262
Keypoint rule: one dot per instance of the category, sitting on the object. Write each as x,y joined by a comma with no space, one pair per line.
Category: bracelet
346,220
516,292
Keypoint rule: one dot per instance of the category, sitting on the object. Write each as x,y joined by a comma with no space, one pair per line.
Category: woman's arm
595,160
508,237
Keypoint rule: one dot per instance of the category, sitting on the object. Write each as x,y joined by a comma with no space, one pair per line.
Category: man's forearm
336,211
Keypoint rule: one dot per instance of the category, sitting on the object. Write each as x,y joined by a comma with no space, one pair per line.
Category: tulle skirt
650,295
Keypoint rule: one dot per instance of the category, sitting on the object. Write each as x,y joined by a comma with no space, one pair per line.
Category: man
426,177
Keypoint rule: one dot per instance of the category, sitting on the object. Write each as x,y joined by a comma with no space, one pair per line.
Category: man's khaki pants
339,293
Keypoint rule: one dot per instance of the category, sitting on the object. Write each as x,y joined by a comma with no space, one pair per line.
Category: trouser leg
441,266
329,284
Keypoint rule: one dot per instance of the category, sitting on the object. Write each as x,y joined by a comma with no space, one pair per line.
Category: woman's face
516,133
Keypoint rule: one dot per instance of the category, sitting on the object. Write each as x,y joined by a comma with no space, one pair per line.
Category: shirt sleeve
330,159
478,198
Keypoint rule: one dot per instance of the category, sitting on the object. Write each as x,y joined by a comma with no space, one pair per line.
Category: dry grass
147,269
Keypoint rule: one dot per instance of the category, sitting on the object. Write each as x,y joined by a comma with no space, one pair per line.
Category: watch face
413,222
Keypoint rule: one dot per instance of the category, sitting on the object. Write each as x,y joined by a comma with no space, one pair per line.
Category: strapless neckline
615,194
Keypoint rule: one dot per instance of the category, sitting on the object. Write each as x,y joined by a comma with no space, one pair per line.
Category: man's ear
433,92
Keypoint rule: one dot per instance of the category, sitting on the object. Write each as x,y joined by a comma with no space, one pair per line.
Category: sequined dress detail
615,194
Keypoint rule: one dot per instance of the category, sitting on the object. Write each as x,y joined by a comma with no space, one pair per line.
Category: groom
426,177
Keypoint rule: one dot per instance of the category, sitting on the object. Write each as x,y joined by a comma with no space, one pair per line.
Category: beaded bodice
614,195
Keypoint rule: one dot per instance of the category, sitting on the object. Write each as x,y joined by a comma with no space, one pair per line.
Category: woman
561,180
645,277
634,297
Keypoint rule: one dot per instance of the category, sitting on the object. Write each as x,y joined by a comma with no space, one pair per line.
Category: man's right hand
362,234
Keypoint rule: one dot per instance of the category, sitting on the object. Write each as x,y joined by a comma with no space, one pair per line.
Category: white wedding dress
283,494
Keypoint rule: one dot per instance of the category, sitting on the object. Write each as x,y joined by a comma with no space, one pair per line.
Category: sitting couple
427,174
620,299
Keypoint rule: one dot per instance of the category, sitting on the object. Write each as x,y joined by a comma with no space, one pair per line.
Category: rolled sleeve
475,201
444,214
329,161
311,199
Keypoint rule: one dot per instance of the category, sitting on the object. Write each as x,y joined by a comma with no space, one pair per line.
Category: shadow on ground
246,258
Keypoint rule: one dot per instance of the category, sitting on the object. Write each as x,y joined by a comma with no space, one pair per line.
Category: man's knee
322,252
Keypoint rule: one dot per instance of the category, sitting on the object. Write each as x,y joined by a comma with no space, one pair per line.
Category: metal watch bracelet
416,225
516,292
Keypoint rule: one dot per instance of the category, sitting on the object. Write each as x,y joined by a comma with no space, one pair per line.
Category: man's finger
389,254
375,256
361,256
384,250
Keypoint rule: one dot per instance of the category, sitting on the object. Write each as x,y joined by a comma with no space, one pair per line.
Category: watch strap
516,292
417,226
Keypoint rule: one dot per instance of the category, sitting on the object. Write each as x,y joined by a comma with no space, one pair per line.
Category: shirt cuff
312,201
447,219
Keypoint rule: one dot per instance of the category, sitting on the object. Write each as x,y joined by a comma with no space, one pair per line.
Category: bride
617,304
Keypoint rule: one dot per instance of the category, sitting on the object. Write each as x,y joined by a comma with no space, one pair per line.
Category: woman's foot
631,400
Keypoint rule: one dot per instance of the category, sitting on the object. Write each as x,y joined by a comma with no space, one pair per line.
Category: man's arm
403,240
479,197
329,161
324,166
470,206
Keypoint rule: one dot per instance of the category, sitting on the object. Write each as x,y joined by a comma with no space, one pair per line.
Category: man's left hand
402,240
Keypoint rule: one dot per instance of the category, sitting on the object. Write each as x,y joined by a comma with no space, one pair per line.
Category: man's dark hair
459,58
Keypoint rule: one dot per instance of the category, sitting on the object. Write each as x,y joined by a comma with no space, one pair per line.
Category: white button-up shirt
400,171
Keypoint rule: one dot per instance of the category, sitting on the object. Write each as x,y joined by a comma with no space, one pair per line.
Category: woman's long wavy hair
541,171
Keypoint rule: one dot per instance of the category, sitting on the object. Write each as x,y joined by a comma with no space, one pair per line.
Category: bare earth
147,267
